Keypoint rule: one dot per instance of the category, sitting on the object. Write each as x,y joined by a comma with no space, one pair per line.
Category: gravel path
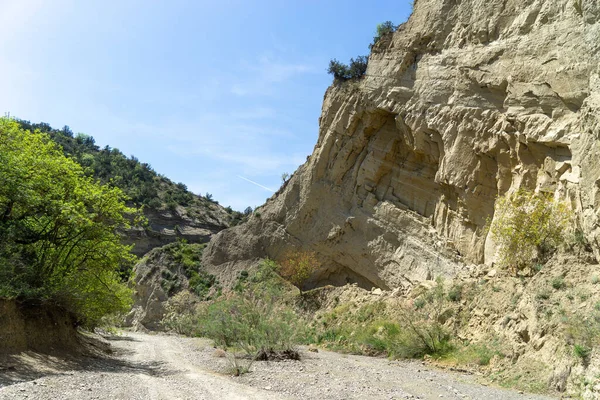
171,367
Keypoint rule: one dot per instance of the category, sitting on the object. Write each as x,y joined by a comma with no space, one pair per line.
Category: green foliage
141,184
455,293
201,283
339,70
582,331
358,67
410,330
528,227
342,72
582,351
58,228
476,353
558,283
298,266
188,257
383,29
255,319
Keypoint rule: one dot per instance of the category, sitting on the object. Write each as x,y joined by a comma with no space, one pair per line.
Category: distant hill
172,210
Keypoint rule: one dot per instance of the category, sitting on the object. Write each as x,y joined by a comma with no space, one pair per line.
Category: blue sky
207,92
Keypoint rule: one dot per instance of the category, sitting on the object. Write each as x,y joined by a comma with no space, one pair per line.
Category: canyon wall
468,100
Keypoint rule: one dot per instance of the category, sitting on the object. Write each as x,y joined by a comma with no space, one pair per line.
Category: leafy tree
138,180
383,29
343,72
248,211
358,67
528,227
58,228
298,266
338,70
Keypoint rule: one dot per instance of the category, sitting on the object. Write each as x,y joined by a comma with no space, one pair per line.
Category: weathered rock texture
36,327
154,277
195,224
466,101
160,276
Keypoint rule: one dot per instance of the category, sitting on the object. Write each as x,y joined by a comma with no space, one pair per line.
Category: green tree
298,266
59,229
358,67
383,29
338,70
528,227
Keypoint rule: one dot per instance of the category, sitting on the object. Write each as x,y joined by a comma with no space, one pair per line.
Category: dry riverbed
170,367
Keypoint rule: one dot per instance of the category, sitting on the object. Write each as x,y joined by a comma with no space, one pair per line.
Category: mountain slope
172,211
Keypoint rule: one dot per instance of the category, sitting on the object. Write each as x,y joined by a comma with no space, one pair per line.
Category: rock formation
468,100
166,226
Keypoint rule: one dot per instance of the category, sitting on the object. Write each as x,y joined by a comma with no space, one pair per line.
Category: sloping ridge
466,101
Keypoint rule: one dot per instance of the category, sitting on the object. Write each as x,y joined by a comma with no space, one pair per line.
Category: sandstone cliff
466,101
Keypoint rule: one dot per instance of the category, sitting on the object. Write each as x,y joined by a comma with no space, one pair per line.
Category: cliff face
468,100
196,224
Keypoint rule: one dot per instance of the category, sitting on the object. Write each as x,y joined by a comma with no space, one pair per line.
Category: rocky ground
170,367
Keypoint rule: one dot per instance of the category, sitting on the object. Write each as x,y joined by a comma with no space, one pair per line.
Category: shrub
558,283
426,333
583,332
298,266
411,330
477,353
201,283
383,29
582,351
528,227
339,70
343,72
256,319
455,293
542,295
358,67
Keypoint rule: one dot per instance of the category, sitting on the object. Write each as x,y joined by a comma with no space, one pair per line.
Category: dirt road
170,367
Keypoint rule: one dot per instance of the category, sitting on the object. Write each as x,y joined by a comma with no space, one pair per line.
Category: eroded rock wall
466,101
196,225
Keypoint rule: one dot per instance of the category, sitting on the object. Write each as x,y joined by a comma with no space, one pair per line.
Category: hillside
171,209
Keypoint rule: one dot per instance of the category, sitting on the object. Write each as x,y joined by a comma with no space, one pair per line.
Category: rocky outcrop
195,224
466,101
154,277
161,275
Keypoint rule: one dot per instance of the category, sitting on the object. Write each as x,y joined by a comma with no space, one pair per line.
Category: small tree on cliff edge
343,72
298,266
383,29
